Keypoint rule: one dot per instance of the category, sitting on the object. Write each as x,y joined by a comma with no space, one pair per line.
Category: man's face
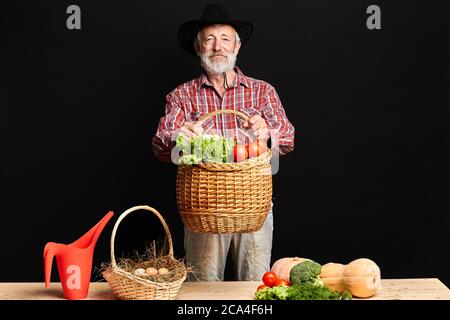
218,48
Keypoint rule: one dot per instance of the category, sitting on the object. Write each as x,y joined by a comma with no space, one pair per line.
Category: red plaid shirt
193,99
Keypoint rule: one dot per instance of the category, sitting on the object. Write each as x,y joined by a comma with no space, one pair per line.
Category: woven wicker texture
225,197
127,286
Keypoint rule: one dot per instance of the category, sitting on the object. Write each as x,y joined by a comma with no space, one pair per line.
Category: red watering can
74,261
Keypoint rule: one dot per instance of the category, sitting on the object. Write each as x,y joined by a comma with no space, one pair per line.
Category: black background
369,173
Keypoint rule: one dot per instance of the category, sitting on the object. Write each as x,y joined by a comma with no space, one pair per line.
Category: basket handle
213,113
123,215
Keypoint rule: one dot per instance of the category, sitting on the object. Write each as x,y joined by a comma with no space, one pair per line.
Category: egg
151,271
162,271
139,272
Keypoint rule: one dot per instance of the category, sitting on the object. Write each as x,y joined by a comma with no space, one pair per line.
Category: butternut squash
361,276
282,267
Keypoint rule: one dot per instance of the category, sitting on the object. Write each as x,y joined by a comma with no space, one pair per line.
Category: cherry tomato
263,286
269,278
240,153
281,282
253,150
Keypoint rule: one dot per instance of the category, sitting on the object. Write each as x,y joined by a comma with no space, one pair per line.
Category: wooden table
392,289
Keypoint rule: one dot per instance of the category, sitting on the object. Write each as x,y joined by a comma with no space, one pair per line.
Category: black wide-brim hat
213,14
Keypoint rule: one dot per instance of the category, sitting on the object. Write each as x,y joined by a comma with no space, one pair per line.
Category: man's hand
257,127
189,129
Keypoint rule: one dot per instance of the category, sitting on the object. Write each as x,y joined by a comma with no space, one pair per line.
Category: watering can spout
89,239
74,261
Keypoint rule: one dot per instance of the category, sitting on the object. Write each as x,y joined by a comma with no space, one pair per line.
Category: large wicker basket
225,197
127,286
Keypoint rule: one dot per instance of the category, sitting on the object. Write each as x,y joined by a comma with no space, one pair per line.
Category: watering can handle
123,215
50,250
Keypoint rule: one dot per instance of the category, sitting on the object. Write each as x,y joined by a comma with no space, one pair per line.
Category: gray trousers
207,253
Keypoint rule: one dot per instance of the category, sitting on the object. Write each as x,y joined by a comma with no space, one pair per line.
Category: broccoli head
306,272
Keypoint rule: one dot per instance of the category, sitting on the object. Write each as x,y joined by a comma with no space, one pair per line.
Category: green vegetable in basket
205,148
189,159
183,144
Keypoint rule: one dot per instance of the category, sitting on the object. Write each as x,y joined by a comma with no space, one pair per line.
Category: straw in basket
225,197
125,285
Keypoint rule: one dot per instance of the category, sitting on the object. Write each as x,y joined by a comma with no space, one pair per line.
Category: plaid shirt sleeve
277,122
172,120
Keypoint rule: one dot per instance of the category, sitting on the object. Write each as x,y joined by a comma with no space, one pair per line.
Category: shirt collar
240,79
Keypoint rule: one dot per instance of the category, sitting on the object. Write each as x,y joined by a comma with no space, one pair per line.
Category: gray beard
215,68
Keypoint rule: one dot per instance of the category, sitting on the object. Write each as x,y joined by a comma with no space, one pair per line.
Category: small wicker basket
127,286
225,197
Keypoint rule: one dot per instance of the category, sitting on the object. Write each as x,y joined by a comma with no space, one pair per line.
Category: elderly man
216,39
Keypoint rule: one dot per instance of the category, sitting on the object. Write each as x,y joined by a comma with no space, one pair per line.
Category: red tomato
240,153
256,148
263,286
281,282
253,150
269,278
262,147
